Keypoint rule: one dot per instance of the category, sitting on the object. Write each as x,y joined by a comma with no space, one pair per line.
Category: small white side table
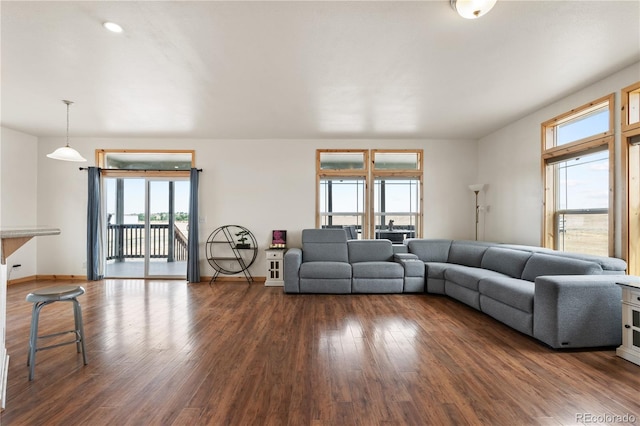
630,349
275,268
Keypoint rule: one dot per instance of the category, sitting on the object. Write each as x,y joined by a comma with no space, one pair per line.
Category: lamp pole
476,188
477,214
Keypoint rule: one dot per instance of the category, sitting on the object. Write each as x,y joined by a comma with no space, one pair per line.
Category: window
577,156
397,194
342,202
631,107
145,162
342,190
581,218
631,164
371,194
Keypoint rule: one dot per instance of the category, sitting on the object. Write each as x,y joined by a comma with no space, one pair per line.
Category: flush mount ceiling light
66,153
472,9
113,27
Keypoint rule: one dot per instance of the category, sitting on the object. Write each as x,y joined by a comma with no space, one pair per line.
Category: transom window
145,162
631,108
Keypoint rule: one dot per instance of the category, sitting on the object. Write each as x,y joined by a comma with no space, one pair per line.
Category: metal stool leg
77,313
42,297
33,338
34,322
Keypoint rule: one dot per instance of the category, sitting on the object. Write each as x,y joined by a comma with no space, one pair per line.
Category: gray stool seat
54,294
42,297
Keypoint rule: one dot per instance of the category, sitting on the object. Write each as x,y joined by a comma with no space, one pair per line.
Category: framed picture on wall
278,238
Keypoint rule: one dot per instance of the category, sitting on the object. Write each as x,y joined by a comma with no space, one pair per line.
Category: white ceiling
307,69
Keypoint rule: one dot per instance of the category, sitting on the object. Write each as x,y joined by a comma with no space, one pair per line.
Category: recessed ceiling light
113,27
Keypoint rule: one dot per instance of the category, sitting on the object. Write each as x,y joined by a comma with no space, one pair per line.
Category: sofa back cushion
370,251
324,245
609,265
506,261
540,264
429,250
468,253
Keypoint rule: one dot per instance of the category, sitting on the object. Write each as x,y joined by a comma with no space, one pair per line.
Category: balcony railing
128,241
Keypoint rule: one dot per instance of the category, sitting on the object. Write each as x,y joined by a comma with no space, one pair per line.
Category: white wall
1,138
260,184
270,184
18,195
509,162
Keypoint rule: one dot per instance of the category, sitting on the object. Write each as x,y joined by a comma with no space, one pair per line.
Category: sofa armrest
414,271
578,311
404,256
413,267
292,262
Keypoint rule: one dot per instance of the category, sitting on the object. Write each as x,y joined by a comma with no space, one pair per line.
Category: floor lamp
476,188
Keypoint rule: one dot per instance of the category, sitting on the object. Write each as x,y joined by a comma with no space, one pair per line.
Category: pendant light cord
68,104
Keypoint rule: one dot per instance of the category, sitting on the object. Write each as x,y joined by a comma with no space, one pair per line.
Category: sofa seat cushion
462,294
514,318
436,269
412,267
325,270
510,291
377,270
467,276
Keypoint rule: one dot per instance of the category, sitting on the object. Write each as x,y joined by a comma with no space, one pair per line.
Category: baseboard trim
47,278
62,277
21,280
203,279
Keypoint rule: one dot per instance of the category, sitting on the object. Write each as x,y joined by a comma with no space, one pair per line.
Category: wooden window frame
343,173
625,126
369,174
630,160
552,154
102,153
418,173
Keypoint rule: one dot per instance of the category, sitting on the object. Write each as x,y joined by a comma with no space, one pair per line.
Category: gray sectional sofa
565,300
328,263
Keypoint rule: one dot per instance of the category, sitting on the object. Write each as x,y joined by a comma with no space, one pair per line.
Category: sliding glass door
146,227
168,207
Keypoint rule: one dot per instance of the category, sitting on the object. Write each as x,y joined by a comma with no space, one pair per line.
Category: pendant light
472,9
66,153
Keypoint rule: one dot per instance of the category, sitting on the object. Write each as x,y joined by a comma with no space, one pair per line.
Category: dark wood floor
169,353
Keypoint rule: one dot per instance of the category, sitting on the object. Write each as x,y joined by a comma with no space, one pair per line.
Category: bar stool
42,297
